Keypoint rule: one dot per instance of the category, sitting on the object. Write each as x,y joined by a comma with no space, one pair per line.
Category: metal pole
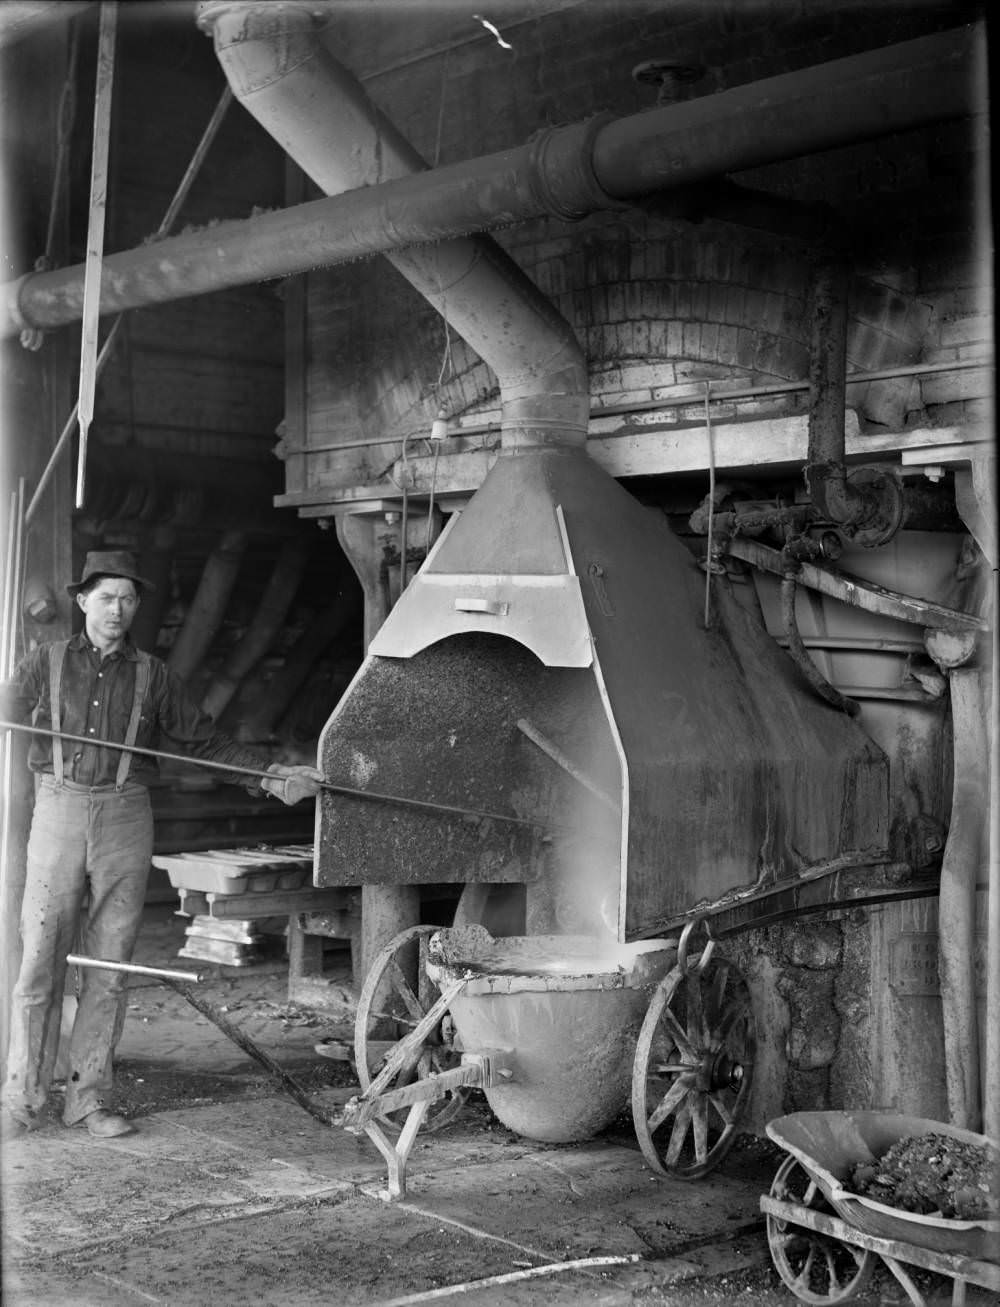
373,796
133,969
991,1056
169,218
95,235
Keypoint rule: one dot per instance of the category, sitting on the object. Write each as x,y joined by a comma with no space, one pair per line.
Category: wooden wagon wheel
693,1065
391,1005
817,1268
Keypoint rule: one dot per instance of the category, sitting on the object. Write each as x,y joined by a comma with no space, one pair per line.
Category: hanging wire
430,502
67,117
440,121
711,502
404,523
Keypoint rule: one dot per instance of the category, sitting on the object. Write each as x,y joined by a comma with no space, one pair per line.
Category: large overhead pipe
282,73
566,171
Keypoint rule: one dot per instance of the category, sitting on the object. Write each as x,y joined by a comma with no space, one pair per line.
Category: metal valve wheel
396,994
693,1066
816,1267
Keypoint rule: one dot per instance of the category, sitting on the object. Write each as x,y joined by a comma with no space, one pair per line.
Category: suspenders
57,655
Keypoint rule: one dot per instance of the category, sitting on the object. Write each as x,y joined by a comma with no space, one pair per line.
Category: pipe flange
562,176
27,330
882,495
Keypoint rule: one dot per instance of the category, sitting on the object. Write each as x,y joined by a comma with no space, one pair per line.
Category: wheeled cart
825,1242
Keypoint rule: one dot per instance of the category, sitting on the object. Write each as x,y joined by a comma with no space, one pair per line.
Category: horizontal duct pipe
566,172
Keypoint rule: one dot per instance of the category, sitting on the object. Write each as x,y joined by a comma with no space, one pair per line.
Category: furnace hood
683,764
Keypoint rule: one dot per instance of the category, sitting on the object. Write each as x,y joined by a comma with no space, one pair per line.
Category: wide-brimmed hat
109,562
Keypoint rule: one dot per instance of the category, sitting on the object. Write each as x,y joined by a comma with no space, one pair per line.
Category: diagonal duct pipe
566,171
285,77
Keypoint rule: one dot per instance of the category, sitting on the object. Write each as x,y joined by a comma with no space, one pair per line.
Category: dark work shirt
95,699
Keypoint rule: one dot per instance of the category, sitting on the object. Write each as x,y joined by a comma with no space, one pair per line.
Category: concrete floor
230,1192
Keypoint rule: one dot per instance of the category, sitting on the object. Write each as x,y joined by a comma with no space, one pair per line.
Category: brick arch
656,306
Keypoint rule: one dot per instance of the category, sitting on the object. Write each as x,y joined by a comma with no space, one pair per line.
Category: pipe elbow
257,44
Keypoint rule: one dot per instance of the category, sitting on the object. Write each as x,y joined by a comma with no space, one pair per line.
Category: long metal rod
133,969
95,236
863,96
552,750
169,218
11,612
180,982
372,796
991,1052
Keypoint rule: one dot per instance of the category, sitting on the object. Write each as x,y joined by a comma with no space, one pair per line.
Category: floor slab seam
148,1232
469,1229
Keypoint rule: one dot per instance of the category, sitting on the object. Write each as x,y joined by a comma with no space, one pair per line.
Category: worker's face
109,609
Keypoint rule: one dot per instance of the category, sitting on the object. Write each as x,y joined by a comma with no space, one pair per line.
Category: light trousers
98,840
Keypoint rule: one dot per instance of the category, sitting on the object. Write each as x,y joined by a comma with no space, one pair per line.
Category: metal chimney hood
681,763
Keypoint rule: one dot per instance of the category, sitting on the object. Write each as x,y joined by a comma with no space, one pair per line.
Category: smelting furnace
550,671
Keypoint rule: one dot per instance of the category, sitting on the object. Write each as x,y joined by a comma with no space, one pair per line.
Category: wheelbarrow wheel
816,1267
693,1066
396,994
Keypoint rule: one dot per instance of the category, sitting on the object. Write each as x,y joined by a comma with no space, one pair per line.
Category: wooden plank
855,590
660,448
274,903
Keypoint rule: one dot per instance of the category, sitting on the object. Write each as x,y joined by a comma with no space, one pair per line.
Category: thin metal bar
133,969
12,607
553,751
169,218
372,796
197,159
95,236
8,586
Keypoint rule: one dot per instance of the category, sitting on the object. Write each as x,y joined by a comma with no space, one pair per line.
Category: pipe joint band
562,177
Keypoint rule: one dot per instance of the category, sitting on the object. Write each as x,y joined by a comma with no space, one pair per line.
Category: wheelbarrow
825,1241
560,1033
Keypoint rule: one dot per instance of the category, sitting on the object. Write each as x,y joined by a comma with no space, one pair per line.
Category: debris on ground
934,1174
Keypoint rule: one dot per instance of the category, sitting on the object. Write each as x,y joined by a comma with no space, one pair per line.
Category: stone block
734,313
710,340
616,311
972,329
818,946
675,340
944,387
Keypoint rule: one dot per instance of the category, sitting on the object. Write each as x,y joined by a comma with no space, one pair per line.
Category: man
92,831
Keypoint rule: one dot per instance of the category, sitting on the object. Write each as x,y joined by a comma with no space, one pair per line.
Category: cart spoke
802,1279
831,1269
719,1103
699,1116
695,1013
715,993
678,1134
739,1009
679,1034
402,987
668,1104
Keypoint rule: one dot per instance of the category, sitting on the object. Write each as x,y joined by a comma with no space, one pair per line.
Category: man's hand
291,784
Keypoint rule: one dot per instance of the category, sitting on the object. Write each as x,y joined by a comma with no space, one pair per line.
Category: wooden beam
657,447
